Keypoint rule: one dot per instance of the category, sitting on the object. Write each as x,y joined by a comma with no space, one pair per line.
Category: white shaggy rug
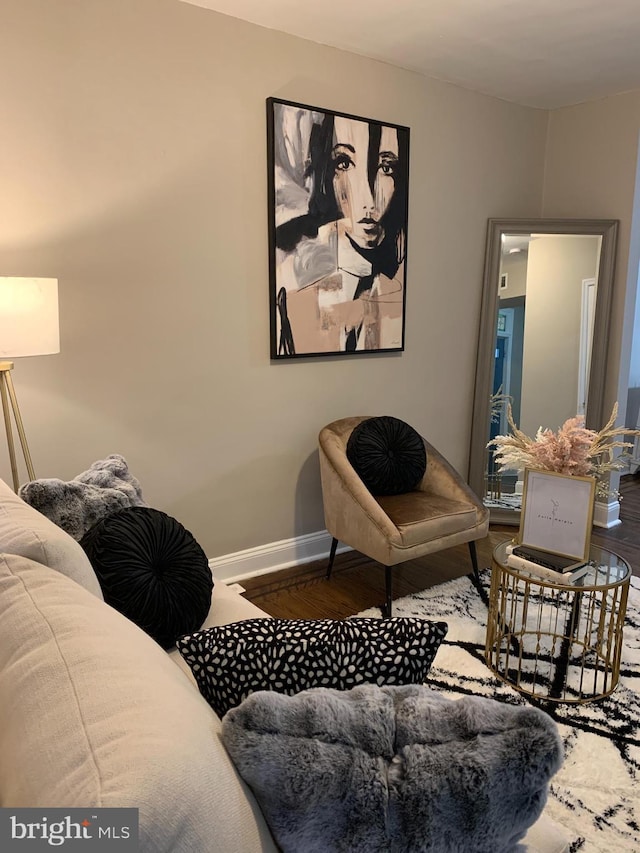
596,794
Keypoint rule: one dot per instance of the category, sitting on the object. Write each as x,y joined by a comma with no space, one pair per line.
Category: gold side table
553,640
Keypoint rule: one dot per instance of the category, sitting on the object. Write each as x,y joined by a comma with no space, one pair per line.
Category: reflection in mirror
546,305
542,343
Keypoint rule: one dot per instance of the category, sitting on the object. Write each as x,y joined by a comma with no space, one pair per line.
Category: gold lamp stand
8,394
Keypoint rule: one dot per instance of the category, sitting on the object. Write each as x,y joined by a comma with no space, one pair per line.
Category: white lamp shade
28,317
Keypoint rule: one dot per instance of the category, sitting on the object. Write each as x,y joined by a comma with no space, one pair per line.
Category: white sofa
93,713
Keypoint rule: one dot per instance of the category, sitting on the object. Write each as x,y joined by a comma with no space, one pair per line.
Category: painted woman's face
364,181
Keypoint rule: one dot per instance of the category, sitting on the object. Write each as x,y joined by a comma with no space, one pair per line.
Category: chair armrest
441,478
339,477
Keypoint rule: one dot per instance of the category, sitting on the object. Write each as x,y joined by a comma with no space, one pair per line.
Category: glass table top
604,569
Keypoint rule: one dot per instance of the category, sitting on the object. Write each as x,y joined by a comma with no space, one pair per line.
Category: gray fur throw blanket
393,769
77,505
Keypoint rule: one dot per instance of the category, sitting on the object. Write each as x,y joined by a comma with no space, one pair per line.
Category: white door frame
587,314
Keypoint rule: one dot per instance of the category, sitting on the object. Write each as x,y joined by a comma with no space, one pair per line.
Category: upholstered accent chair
441,512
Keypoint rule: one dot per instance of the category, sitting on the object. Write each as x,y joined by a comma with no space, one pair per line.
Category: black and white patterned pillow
289,655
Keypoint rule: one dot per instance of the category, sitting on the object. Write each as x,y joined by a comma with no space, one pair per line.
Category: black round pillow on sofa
388,455
152,570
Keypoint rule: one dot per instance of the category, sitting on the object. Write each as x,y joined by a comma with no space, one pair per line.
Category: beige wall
133,168
515,266
591,172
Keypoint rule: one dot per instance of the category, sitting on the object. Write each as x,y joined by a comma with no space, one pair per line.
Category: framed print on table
557,513
338,208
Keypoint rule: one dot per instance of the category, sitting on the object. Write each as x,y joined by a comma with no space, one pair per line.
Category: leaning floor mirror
543,339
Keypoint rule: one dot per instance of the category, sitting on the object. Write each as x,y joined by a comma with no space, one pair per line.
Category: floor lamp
28,326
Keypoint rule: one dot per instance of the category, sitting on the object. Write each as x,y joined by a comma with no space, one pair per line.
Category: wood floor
303,592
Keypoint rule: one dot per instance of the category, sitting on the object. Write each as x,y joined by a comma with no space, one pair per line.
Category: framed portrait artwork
557,513
338,208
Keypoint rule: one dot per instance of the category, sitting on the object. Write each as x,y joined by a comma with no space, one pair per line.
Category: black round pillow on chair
152,570
388,455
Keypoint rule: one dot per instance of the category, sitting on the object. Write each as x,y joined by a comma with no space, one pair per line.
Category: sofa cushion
290,655
393,768
227,605
388,455
26,532
94,714
425,516
152,570
75,506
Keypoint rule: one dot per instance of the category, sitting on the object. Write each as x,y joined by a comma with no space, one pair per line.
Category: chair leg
474,562
332,556
388,582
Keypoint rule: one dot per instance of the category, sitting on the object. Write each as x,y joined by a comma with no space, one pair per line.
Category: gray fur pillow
398,769
77,505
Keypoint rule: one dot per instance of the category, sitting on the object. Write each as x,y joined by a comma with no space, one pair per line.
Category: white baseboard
606,515
272,557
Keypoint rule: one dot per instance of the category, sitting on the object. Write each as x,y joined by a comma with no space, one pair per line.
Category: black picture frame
338,197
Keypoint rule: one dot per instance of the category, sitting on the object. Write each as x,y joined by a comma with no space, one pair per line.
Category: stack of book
553,567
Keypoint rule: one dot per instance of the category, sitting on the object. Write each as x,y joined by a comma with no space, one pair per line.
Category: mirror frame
605,228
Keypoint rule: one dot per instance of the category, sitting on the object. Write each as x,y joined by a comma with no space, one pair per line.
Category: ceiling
540,53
